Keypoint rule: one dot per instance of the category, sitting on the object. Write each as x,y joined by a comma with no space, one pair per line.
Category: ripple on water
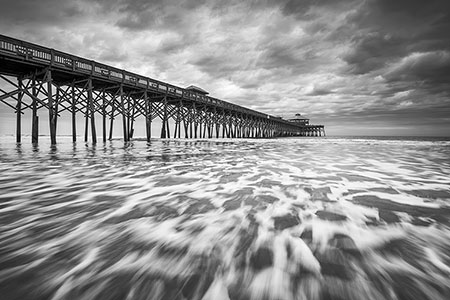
250,219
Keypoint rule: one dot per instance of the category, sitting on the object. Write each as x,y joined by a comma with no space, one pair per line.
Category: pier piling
59,82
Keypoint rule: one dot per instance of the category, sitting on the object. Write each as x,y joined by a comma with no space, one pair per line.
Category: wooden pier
41,78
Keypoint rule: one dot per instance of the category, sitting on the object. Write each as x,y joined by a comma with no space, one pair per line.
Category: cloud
386,30
341,60
428,67
318,91
305,8
373,51
43,12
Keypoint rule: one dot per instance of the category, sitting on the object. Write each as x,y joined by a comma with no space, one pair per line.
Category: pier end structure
306,128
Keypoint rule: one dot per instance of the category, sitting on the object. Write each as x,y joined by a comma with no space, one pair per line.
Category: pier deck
44,78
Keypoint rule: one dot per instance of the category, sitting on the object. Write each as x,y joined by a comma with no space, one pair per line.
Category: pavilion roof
197,89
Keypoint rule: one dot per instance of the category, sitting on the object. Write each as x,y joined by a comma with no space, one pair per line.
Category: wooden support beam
34,117
195,121
177,118
148,116
217,122
133,113
124,117
86,119
129,117
200,117
74,112
230,125
186,122
223,123
180,105
204,129
91,108
111,124
179,126
57,100
104,115
51,114
168,128
164,119
19,112
190,123
131,129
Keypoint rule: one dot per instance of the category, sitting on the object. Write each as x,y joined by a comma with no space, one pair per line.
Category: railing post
52,57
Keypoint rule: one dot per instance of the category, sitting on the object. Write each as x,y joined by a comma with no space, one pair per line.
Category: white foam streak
217,290
252,219
303,256
272,284
436,261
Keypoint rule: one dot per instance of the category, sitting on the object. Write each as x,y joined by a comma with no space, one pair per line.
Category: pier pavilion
307,129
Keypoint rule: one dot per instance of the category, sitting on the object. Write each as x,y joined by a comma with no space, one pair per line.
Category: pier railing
25,60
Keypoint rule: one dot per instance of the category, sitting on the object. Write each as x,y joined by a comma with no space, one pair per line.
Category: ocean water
285,219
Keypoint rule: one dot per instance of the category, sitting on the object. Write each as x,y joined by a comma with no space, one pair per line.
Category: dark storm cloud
389,30
406,43
373,51
303,7
429,67
216,64
174,44
29,12
319,91
141,15
156,15
288,55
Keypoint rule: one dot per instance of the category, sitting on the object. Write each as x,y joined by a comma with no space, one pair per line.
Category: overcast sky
375,67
